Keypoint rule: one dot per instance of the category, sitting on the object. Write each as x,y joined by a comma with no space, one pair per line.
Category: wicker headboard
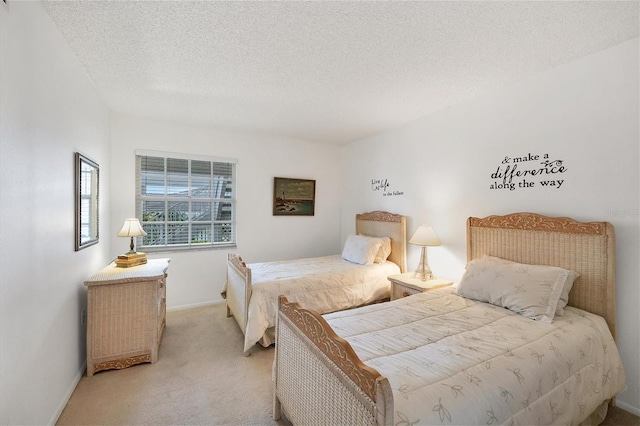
383,224
585,247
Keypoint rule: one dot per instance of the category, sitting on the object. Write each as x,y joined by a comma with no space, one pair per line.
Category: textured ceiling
325,71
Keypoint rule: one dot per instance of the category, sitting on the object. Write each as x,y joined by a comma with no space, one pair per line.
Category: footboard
238,290
318,377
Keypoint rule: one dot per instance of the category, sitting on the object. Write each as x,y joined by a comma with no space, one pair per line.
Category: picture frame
294,197
87,202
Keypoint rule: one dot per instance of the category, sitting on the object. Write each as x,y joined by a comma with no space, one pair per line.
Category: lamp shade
131,228
425,236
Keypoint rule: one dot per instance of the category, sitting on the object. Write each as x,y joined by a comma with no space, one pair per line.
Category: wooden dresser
126,311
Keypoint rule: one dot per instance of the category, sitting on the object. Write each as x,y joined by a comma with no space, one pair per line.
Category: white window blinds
185,202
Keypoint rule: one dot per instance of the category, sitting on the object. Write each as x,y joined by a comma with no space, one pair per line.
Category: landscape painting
294,197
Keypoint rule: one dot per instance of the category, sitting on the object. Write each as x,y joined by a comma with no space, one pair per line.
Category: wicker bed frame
319,378
374,224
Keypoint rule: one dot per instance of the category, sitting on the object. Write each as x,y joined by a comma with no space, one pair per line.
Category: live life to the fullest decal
527,172
383,185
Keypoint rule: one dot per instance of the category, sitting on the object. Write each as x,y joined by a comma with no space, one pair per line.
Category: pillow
361,249
385,248
384,251
564,296
533,291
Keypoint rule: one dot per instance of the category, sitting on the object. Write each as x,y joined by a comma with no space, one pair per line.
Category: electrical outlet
83,316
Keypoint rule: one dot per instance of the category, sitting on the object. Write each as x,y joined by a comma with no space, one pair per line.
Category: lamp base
131,259
423,272
423,275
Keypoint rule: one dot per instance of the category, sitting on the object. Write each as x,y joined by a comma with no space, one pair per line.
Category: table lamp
424,236
131,228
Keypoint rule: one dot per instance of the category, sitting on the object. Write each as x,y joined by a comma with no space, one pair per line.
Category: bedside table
404,285
126,311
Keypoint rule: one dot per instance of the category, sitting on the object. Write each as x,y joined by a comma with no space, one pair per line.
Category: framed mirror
87,185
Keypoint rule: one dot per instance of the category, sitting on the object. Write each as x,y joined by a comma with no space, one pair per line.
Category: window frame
140,198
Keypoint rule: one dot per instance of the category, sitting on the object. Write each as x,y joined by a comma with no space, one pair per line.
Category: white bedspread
454,361
324,284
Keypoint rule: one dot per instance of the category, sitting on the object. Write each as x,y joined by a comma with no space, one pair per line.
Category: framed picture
294,197
87,184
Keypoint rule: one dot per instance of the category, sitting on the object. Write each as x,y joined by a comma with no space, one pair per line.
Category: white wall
49,109
197,277
584,113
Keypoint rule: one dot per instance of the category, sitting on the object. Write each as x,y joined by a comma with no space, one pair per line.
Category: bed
440,358
325,284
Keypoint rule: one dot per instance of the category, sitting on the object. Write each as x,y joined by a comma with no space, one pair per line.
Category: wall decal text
383,185
528,171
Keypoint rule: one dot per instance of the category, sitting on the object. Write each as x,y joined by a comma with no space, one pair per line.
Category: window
185,202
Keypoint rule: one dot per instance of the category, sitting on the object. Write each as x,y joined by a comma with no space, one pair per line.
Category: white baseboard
68,393
194,305
628,407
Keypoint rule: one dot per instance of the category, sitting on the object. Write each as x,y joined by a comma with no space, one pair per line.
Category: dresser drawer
398,291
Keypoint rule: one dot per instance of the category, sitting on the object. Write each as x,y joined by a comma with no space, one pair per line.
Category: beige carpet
201,378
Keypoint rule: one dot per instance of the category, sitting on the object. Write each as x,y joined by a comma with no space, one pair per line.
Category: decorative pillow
361,249
385,248
533,291
564,296
384,251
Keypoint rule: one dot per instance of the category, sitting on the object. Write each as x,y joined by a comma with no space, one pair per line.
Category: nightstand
126,310
404,285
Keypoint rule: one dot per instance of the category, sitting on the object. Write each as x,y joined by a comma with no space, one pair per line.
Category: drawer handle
405,294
